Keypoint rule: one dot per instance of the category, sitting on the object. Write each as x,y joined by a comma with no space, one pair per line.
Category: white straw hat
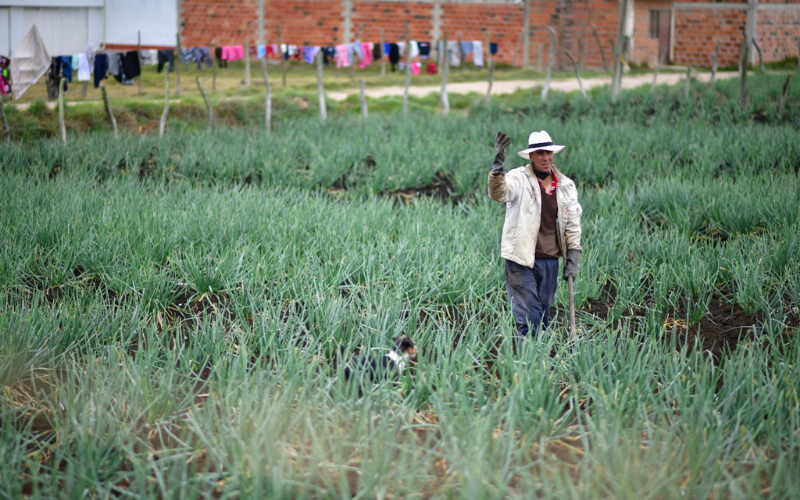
539,140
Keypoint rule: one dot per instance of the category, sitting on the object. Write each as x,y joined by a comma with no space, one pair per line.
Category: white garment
455,53
414,48
30,63
84,73
89,55
401,46
477,52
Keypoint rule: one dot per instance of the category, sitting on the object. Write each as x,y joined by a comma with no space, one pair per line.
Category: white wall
157,19
5,43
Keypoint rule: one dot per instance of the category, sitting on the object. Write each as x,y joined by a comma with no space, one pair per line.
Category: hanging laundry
66,67
309,53
89,51
415,67
232,52
201,54
377,51
5,76
366,59
187,57
452,50
431,68
165,56
113,63
413,46
149,57
100,68
394,55
269,51
292,50
75,62
401,46
84,71
477,57
261,51
328,54
493,47
357,50
130,64
424,50
466,47
54,78
221,63
342,60
386,47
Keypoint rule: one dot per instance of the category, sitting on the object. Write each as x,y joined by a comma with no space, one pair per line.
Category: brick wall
778,33
697,31
321,22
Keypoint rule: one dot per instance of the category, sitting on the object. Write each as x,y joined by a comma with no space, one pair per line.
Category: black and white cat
376,368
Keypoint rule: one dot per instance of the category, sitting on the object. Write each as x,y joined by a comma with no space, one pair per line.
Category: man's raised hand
501,143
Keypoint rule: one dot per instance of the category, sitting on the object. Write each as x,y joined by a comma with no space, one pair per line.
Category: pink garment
342,61
232,52
366,49
415,68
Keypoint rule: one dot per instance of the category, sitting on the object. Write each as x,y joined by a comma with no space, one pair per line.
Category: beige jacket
519,190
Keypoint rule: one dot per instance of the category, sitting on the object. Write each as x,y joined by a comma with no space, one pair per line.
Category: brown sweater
547,242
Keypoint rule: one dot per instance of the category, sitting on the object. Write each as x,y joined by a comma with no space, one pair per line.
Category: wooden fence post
760,58
213,66
178,68
408,72
109,112
743,73
550,63
600,46
661,60
268,106
139,56
714,65
6,131
323,109
61,110
383,58
688,82
783,95
283,59
208,104
577,72
445,73
364,111
247,61
162,124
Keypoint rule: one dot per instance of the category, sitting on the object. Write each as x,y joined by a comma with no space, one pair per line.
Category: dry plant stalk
162,124
268,105
550,63
61,110
577,72
208,104
109,112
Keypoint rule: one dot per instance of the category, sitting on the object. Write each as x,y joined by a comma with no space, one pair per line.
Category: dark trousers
531,291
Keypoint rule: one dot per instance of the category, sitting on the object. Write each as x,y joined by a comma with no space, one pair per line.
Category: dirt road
508,87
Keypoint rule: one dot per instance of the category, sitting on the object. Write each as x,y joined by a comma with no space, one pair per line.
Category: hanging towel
310,53
366,51
401,46
414,48
100,68
261,51
232,52
493,47
75,62
66,67
452,49
466,47
477,57
84,72
424,50
342,61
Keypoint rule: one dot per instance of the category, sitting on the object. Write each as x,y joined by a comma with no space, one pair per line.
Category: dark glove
571,264
501,143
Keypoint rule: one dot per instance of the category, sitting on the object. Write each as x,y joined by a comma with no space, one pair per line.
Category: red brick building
686,30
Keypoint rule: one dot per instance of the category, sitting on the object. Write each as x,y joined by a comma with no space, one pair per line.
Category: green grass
170,328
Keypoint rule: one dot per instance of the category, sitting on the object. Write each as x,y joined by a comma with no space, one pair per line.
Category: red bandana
553,185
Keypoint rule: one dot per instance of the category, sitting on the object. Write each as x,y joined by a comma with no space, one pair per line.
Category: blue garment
386,47
261,51
100,68
66,67
531,292
493,48
466,48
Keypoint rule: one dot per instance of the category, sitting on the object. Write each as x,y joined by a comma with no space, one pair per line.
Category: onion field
176,312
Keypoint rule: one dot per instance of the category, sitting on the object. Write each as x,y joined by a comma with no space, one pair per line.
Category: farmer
543,223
